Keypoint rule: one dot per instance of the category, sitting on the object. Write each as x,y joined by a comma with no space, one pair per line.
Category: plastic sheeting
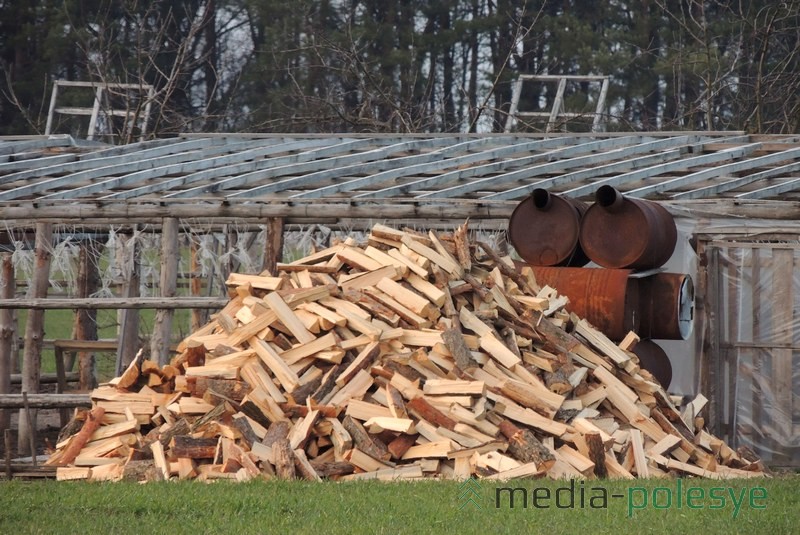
746,344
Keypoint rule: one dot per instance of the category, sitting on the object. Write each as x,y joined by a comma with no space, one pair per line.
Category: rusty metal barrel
544,229
666,306
606,298
623,232
654,359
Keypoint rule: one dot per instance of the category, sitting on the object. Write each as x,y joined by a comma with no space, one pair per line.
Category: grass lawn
374,507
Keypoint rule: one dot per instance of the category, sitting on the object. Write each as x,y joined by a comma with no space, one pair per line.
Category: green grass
371,507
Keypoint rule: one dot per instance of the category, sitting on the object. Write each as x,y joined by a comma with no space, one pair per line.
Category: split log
525,447
93,420
284,459
361,439
193,448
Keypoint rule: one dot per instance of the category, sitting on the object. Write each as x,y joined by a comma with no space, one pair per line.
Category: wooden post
7,333
129,318
273,250
783,334
61,381
31,427
168,280
7,442
228,244
85,326
195,284
708,313
34,331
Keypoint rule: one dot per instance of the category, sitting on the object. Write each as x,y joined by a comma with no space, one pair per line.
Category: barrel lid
654,359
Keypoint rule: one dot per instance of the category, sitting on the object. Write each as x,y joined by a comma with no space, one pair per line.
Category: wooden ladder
557,112
95,110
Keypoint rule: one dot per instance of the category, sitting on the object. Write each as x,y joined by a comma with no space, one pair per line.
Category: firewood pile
410,356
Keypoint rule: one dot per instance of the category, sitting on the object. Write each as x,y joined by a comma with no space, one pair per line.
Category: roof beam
37,163
500,165
769,191
145,168
733,183
304,162
655,170
566,162
213,161
126,212
107,162
586,174
721,170
592,159
435,166
9,148
365,162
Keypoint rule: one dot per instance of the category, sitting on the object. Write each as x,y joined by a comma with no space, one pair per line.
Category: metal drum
623,232
666,306
653,359
544,230
606,298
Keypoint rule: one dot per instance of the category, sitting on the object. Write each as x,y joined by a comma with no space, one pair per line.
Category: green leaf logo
469,494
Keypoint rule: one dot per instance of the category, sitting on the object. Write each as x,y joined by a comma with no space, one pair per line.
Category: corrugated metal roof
241,167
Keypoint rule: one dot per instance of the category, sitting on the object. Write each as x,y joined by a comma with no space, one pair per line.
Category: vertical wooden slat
168,281
700,320
758,359
733,293
782,317
128,340
273,250
711,350
8,333
34,331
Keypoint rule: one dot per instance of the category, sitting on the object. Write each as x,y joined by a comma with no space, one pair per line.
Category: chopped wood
378,424
366,444
276,364
409,357
255,281
454,386
408,298
362,410
284,459
79,440
439,448
400,445
193,448
363,360
288,318
525,447
499,351
421,408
